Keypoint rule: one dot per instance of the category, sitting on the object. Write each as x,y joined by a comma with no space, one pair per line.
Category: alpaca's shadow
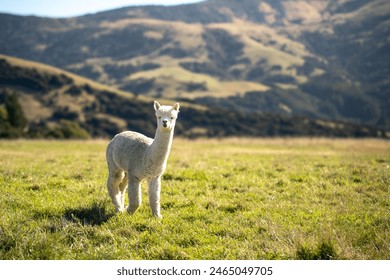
94,215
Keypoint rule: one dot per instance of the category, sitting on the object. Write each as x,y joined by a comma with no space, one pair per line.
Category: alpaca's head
166,116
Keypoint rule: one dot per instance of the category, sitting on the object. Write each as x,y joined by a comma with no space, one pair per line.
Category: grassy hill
316,59
59,104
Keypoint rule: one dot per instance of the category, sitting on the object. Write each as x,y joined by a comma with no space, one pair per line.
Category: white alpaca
132,157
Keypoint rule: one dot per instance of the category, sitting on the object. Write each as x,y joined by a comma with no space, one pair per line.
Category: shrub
69,130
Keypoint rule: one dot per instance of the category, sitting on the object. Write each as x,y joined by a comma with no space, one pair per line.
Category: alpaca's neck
159,149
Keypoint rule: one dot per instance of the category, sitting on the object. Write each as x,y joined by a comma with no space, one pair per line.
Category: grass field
221,199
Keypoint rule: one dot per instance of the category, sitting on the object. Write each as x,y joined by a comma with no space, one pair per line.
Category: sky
69,8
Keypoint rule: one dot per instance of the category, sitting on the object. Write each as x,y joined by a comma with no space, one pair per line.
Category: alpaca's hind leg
154,196
122,190
135,195
115,184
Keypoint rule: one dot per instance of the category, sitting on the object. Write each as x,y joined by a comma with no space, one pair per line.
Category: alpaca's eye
172,118
159,117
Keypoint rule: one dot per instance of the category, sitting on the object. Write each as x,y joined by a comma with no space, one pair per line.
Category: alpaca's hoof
131,209
158,216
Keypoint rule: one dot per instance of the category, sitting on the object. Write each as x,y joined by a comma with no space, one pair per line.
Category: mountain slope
49,95
55,101
320,59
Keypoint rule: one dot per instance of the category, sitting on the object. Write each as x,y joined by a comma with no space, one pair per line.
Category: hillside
316,59
59,104
49,95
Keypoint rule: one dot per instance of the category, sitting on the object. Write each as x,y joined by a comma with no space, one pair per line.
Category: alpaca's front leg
154,196
135,195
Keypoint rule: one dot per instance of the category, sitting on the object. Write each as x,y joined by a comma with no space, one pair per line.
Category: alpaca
132,157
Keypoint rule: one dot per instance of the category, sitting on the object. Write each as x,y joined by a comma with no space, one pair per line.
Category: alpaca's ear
156,105
176,107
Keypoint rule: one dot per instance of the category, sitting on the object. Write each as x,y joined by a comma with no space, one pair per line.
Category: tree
15,112
12,119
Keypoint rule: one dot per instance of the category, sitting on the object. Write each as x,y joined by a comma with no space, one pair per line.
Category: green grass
221,199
